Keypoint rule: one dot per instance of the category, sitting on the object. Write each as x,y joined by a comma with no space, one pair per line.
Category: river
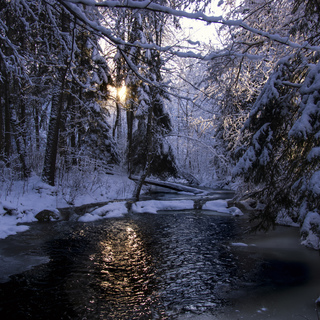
188,264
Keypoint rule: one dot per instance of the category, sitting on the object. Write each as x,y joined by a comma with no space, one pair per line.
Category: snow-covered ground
21,201
24,199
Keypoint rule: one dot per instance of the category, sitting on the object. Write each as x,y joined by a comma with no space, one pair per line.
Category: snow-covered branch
147,5
81,16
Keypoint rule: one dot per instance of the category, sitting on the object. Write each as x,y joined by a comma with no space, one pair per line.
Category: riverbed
189,264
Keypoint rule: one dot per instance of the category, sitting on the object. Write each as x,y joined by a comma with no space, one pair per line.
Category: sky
201,31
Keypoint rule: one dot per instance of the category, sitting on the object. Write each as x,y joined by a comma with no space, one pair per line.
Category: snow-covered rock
111,210
47,215
222,207
217,205
235,211
153,206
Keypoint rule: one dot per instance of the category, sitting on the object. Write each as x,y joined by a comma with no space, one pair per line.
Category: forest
89,86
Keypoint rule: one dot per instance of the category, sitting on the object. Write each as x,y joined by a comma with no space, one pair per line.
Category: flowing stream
173,265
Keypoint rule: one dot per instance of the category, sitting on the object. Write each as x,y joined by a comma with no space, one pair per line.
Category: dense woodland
243,109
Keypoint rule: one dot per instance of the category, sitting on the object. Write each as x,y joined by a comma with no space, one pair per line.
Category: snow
314,154
153,206
24,199
310,230
111,210
314,184
284,219
222,207
235,211
8,226
245,162
21,201
216,205
239,244
76,11
311,241
309,106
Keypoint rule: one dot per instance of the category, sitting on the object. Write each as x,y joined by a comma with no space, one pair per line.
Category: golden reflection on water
125,265
117,281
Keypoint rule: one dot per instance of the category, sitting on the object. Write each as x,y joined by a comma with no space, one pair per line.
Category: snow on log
170,185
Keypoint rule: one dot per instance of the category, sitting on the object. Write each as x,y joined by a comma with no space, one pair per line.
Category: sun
122,93
118,93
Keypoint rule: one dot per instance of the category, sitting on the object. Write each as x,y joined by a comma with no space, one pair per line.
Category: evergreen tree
280,163
264,164
151,113
53,83
146,145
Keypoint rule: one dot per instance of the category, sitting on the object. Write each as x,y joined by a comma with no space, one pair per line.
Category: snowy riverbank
21,201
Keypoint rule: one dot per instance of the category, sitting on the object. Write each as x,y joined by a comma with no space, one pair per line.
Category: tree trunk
37,127
118,120
129,139
2,107
20,145
7,129
149,156
6,142
1,132
49,168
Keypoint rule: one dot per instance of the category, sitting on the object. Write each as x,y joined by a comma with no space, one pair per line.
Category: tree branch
146,5
77,12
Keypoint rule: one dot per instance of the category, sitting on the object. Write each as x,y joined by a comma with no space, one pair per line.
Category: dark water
164,266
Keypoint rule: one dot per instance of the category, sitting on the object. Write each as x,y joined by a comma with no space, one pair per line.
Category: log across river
187,264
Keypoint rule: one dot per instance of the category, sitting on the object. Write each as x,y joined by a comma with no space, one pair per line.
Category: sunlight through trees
239,111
